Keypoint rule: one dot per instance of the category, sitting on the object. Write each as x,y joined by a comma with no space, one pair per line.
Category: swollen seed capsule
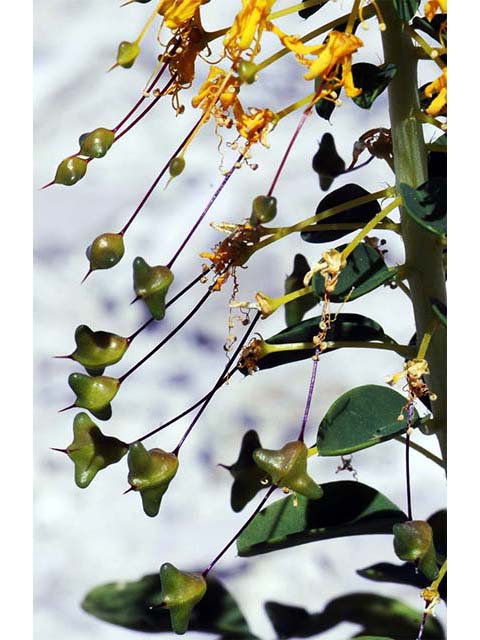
70,171
98,349
105,251
94,393
96,143
177,165
180,593
152,284
127,54
264,209
247,72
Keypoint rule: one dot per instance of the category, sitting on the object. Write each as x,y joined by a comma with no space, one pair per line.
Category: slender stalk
425,452
309,396
206,571
426,275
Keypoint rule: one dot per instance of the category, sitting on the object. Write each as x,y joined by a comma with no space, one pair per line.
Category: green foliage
296,520
133,605
361,418
365,271
372,80
427,204
296,309
406,9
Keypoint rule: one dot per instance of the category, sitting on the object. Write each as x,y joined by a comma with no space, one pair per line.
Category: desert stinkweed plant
413,207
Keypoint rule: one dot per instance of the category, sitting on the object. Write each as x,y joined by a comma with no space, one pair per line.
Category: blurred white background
87,537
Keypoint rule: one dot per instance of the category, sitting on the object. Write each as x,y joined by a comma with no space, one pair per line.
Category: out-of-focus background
87,537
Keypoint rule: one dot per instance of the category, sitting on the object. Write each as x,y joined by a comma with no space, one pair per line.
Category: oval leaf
366,270
296,520
347,326
361,418
427,205
379,617
359,214
372,80
126,604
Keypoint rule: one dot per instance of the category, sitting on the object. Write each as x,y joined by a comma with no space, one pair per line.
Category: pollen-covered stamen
381,22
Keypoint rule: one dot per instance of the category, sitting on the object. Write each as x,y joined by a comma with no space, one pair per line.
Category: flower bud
96,143
94,393
150,473
264,209
70,171
247,72
176,167
413,542
105,251
127,54
288,468
180,593
152,284
91,451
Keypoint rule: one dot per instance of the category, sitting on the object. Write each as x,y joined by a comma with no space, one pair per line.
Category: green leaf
296,520
432,28
398,574
377,616
406,9
306,13
440,310
347,326
296,309
373,80
359,214
427,204
324,108
361,418
366,270
126,604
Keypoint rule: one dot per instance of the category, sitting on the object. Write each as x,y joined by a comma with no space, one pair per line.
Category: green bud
127,54
248,478
152,284
177,165
150,473
326,162
96,143
91,451
98,349
296,309
288,468
413,542
105,251
180,593
264,209
247,71
70,171
94,393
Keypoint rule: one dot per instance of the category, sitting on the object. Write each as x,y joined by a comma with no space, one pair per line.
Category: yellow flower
432,6
217,88
255,125
437,88
329,57
247,28
178,12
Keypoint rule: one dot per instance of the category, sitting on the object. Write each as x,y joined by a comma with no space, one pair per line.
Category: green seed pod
264,209
247,72
82,138
96,143
70,171
180,593
98,349
94,393
127,54
177,165
150,473
105,251
296,309
248,478
91,451
288,468
326,162
152,284
413,542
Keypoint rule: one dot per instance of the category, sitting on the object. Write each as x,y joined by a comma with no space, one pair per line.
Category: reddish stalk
309,396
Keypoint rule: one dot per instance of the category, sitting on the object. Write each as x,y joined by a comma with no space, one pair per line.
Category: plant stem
426,276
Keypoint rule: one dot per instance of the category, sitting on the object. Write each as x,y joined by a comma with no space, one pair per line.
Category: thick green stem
423,253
